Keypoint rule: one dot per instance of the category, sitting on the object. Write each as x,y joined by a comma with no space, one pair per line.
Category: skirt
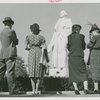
77,69
95,64
36,70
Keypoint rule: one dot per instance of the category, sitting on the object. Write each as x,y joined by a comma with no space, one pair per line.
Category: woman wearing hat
94,59
36,44
77,66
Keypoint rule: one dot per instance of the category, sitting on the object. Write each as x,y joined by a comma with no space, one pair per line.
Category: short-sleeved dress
35,43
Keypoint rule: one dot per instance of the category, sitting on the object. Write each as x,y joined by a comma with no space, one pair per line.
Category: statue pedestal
58,72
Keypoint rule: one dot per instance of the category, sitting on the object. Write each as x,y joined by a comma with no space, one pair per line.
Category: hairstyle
35,28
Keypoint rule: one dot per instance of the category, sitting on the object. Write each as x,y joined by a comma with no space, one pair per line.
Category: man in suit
8,53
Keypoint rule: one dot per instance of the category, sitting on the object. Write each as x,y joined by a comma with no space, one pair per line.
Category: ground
64,94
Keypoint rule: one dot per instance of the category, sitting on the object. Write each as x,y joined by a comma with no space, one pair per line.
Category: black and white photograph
49,49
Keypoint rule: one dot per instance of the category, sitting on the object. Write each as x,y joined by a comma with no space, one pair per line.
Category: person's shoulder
41,37
6,30
82,35
12,30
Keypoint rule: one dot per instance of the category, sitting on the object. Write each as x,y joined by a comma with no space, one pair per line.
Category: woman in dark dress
94,58
36,44
77,67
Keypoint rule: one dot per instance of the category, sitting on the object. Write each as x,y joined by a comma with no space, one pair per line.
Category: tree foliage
20,69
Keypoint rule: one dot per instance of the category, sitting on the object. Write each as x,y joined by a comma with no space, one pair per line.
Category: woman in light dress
58,45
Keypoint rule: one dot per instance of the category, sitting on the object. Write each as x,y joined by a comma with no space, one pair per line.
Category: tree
20,69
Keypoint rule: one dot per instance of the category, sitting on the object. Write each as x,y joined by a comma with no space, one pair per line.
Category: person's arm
27,42
14,38
68,44
83,43
91,43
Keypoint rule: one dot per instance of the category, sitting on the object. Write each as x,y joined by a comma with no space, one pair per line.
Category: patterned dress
35,43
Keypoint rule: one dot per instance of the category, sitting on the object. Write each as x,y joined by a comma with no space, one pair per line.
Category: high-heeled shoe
77,92
88,92
96,92
36,92
59,92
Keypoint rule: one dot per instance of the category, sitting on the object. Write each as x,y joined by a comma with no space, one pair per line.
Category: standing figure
8,53
77,67
94,59
36,44
58,44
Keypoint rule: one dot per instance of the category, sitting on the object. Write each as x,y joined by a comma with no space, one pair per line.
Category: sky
46,15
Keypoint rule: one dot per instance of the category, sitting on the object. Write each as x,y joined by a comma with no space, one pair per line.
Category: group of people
67,47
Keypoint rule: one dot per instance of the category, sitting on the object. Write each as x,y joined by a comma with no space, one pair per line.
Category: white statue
58,42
